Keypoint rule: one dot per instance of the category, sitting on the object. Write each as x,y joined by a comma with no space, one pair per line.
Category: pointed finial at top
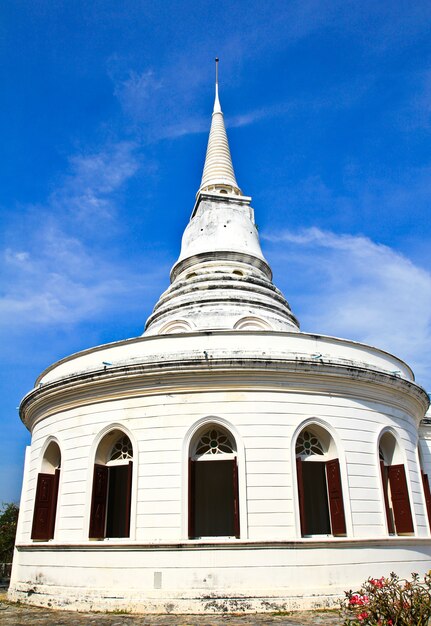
218,175
217,107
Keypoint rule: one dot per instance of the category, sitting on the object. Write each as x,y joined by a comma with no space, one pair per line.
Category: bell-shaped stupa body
221,280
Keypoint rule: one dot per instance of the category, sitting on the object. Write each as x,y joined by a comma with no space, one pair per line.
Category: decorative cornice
197,372
303,340
338,543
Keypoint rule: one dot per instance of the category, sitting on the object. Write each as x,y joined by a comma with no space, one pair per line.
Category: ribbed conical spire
218,175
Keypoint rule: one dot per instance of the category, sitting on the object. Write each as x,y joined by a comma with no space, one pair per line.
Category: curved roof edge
298,336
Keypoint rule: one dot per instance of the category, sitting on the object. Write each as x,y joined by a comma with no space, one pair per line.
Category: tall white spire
218,175
221,280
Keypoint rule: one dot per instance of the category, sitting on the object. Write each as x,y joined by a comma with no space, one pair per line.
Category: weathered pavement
19,615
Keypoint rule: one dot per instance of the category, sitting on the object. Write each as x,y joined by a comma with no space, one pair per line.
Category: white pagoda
224,460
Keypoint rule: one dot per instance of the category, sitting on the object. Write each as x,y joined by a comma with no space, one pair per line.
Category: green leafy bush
389,602
8,522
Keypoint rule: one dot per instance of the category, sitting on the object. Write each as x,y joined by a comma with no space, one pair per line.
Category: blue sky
105,112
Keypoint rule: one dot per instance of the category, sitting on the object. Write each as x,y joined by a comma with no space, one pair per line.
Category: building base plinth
192,578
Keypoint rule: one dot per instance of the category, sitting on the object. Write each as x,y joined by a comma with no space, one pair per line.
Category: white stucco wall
265,422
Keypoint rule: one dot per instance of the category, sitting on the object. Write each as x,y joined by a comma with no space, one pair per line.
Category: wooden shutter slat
235,497
427,492
191,499
400,499
300,481
98,502
335,497
43,526
384,474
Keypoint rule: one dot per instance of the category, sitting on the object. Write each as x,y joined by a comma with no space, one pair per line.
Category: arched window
319,483
213,484
112,487
395,491
45,506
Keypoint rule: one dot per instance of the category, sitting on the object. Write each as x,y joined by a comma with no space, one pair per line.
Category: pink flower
362,616
358,600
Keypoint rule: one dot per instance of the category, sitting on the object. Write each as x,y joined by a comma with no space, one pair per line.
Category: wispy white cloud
137,91
183,127
160,99
88,190
352,287
60,280
52,272
147,100
54,282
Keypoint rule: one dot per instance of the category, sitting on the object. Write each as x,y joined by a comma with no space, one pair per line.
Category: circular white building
224,460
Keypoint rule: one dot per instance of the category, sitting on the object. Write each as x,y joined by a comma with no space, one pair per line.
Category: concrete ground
19,615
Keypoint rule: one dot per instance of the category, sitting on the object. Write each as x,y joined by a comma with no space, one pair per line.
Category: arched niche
394,485
51,459
320,493
251,323
389,449
45,506
213,497
112,487
175,326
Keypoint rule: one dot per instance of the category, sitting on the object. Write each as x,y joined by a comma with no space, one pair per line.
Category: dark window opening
118,514
320,498
213,499
111,499
427,493
316,499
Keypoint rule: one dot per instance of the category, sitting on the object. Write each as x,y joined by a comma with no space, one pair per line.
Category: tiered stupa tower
221,280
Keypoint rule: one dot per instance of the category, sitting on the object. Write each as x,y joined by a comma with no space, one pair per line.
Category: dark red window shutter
98,502
235,497
427,493
44,507
129,497
384,473
191,502
335,497
302,515
400,499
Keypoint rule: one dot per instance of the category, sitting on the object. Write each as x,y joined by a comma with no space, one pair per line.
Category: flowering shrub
389,602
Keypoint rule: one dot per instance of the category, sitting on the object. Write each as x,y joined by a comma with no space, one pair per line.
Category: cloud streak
51,275
355,288
89,189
